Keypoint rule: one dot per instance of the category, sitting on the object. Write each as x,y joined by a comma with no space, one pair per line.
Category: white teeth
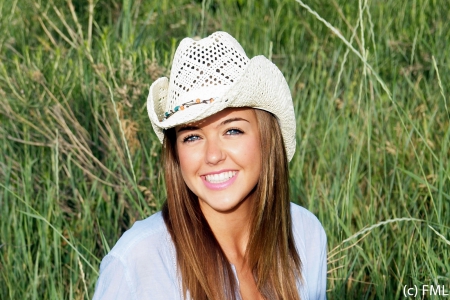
219,178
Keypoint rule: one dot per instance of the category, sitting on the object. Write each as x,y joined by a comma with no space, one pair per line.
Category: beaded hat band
169,113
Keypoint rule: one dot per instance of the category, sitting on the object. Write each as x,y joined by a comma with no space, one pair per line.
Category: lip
219,186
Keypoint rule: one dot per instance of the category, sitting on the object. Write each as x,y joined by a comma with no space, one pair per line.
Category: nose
214,152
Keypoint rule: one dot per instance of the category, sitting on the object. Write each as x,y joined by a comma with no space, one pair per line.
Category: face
220,158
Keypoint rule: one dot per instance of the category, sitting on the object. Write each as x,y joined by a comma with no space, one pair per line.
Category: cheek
188,163
255,157
183,158
249,154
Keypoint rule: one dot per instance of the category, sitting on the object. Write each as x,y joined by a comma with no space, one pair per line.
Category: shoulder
309,235
145,248
305,222
150,233
311,243
307,229
141,265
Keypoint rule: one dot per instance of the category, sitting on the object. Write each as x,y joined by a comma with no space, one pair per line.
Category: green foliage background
79,163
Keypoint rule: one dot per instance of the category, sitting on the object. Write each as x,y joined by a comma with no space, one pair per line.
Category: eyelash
188,139
235,129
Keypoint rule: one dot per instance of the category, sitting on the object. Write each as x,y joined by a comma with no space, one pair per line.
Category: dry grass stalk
153,69
130,129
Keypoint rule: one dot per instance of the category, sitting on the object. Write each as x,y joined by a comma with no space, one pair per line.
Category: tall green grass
79,163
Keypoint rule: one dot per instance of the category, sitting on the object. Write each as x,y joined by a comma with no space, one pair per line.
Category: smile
221,177
219,181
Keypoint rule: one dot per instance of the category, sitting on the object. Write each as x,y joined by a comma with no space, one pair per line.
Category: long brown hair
271,254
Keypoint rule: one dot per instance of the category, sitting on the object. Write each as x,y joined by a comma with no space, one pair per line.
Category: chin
222,206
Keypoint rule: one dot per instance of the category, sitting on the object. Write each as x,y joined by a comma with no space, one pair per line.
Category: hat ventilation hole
214,62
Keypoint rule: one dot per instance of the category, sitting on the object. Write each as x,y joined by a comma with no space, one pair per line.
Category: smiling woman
227,229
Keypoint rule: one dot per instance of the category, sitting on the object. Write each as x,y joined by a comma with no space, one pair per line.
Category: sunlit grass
79,162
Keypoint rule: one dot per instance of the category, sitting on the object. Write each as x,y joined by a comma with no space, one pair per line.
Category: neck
231,229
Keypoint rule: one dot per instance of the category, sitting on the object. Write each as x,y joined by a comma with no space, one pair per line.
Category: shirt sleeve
114,282
322,274
311,243
317,260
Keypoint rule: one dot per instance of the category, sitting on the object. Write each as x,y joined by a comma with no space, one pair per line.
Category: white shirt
142,264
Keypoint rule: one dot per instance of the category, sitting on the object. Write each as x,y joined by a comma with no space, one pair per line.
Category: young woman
227,229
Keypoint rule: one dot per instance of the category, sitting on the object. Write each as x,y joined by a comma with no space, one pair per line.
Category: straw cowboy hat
212,74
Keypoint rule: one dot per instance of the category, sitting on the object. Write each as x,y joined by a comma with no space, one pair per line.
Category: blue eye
234,131
191,138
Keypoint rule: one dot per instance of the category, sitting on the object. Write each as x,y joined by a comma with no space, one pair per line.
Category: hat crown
207,65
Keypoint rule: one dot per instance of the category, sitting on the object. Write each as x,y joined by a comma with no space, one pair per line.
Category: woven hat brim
261,86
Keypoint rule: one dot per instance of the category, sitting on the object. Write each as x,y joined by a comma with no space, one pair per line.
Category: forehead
241,112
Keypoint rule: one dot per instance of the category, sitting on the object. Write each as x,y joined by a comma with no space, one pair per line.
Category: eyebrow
227,121
187,128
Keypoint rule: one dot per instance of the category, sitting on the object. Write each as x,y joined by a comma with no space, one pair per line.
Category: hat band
188,104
